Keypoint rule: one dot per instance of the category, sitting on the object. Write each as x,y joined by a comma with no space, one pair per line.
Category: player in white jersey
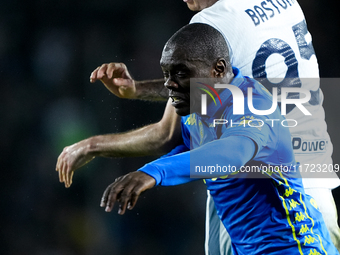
267,39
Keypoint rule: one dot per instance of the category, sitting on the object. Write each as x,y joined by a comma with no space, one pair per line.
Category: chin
183,111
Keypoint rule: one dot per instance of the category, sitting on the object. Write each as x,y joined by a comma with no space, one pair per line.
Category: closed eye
181,74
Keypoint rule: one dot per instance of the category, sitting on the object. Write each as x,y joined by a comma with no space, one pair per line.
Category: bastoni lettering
268,9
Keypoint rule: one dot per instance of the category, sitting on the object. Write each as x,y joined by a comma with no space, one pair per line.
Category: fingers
116,79
115,70
111,70
104,202
59,168
126,196
64,169
115,192
60,174
68,177
126,190
110,196
123,82
98,73
124,199
93,76
133,200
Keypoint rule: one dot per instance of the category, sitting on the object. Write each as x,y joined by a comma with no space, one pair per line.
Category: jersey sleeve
175,169
170,170
178,149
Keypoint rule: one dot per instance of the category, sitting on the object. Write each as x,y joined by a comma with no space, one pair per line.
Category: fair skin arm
155,139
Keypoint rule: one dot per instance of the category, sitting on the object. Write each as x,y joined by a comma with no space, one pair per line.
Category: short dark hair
202,42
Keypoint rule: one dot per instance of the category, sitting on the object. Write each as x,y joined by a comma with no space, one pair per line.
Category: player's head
199,5
195,51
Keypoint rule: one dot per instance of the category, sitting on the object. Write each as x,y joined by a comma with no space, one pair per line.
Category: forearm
118,81
155,139
151,90
145,141
175,170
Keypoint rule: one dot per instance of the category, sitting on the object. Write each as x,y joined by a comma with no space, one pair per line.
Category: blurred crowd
47,51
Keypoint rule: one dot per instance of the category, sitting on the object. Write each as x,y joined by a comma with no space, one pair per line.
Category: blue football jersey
262,202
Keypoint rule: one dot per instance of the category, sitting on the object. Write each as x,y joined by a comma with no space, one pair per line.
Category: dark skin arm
126,190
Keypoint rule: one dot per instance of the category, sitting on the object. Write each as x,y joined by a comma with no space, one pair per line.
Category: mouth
178,100
175,99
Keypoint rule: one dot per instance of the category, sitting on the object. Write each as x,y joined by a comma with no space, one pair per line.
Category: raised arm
155,139
117,79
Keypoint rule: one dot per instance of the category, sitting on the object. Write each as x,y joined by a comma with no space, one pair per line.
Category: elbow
169,137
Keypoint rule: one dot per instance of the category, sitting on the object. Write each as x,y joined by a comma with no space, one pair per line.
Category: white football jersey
270,42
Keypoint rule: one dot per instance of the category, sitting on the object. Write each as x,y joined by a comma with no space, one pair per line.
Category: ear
220,68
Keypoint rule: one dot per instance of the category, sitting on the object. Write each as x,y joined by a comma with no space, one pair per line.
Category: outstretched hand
72,158
116,79
126,190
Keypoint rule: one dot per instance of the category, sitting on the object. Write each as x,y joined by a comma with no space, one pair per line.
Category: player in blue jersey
264,38
269,214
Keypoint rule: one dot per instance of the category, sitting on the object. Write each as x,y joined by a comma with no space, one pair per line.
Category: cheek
205,72
185,85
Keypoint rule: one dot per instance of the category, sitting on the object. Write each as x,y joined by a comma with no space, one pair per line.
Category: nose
170,84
